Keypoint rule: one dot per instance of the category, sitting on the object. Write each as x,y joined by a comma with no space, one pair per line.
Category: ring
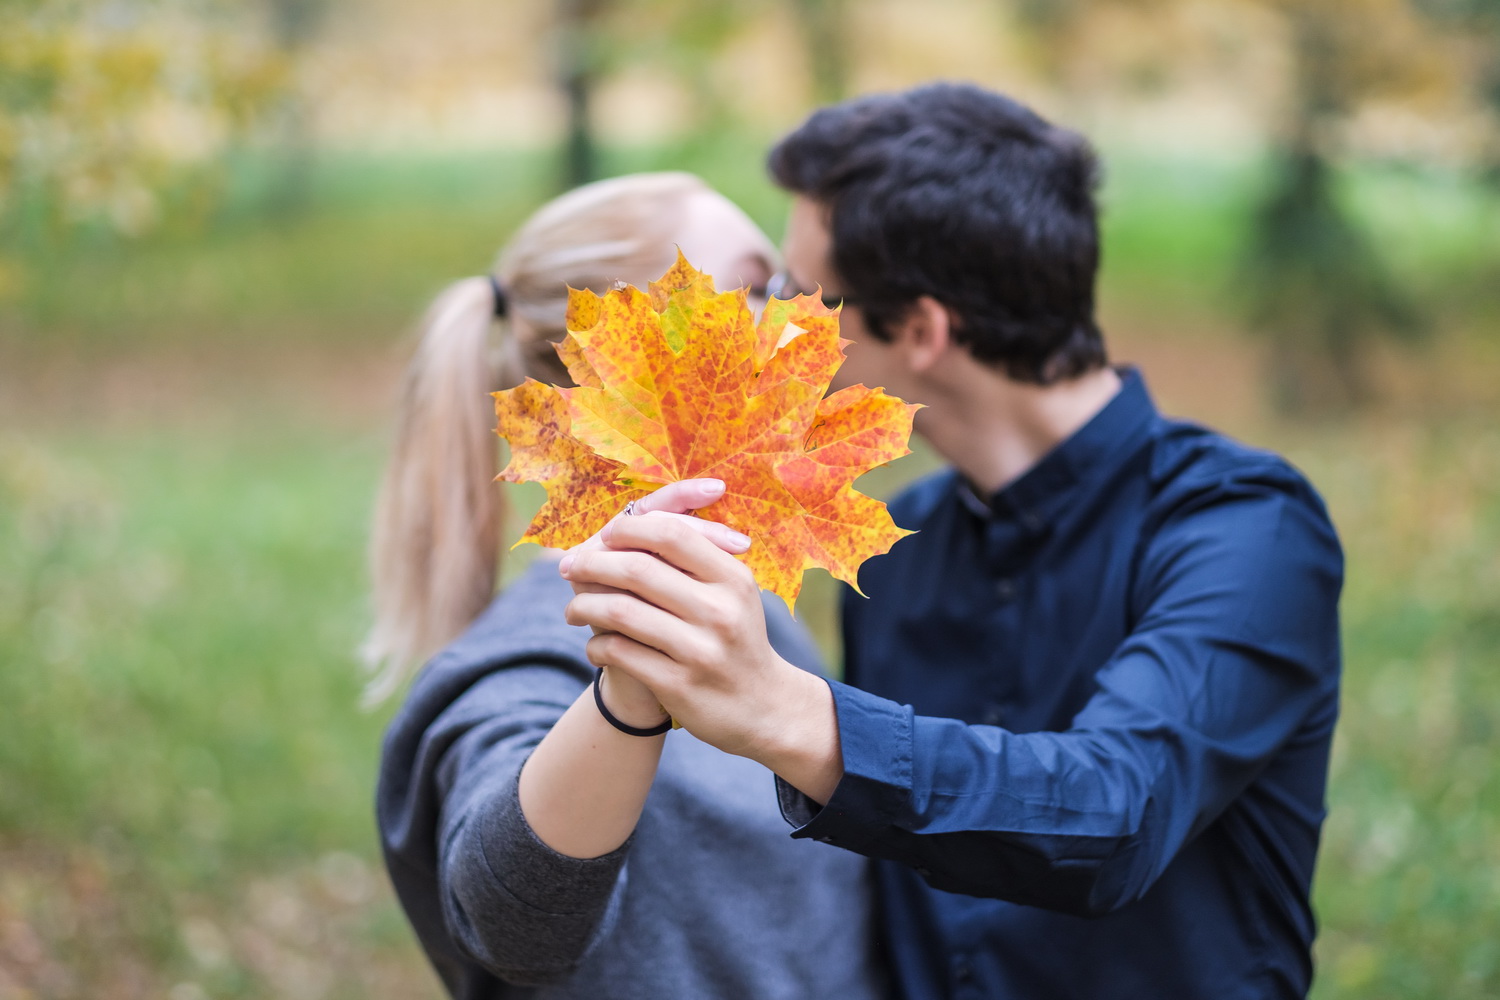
629,509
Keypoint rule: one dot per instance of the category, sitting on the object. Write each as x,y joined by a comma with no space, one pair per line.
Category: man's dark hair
955,192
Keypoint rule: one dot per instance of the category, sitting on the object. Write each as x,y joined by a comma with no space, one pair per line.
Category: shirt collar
1108,439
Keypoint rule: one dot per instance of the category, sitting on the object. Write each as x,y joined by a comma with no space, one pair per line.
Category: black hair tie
502,302
623,727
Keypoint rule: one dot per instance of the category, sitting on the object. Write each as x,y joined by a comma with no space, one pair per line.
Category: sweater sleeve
491,894
486,898
525,912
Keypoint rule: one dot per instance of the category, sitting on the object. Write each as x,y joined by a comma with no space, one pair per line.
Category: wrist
804,750
629,700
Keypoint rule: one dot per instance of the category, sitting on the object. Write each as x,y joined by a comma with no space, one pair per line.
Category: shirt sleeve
1235,648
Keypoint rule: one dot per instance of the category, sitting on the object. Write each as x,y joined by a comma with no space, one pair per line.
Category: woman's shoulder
526,619
523,632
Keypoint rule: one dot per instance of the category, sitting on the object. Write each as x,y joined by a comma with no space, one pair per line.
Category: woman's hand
679,500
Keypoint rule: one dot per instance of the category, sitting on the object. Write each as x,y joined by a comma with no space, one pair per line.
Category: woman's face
720,240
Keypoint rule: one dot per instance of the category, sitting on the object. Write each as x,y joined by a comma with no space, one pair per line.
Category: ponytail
435,546
435,549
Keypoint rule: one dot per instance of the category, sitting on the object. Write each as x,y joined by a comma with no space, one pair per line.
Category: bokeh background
220,218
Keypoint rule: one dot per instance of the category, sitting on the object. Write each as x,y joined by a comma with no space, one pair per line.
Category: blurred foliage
1478,22
601,38
685,39
116,116
377,236
824,24
1314,281
380,234
1409,872
294,24
580,46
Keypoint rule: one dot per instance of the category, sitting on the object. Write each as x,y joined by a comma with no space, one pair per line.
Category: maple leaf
583,489
681,382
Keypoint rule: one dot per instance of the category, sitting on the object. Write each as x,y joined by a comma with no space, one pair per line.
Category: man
1088,707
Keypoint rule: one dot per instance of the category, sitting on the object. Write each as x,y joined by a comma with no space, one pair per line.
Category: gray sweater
709,898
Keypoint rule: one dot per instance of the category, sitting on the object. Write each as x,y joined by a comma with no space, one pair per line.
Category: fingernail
606,531
713,486
565,564
743,541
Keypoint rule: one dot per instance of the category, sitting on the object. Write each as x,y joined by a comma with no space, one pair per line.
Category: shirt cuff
875,739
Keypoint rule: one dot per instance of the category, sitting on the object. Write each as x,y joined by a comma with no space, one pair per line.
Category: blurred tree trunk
294,24
824,25
577,75
1318,288
1479,22
1316,284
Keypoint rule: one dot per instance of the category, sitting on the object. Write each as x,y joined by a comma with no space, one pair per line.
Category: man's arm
1235,649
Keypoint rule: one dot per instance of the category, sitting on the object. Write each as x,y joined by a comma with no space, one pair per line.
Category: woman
543,835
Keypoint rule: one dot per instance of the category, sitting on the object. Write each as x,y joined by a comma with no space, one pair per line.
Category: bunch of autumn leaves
681,382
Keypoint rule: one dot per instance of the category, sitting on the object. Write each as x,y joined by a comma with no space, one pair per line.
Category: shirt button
925,872
825,840
963,972
993,715
1005,589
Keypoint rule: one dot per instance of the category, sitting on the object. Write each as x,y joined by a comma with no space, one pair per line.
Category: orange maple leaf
681,382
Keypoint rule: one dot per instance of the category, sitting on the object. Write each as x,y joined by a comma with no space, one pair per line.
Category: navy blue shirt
1087,721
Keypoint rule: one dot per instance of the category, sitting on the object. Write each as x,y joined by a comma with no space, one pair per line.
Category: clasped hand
676,612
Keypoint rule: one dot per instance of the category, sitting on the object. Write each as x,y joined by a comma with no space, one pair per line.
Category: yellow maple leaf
681,382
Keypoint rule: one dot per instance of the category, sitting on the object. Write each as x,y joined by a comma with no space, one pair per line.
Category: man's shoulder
1183,459
1188,460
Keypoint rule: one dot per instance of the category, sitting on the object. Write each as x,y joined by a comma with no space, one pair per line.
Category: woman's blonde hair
435,546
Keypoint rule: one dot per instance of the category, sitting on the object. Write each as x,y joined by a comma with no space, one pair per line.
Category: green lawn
180,703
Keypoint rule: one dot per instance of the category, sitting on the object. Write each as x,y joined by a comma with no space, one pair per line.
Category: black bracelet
622,727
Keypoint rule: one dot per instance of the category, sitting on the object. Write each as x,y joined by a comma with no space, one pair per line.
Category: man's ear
924,334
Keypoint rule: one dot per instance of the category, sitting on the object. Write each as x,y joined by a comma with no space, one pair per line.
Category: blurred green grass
1409,875
187,780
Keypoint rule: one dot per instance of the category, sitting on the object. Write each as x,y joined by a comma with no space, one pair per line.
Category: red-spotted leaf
681,382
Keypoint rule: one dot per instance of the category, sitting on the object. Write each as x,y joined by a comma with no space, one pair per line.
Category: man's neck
993,430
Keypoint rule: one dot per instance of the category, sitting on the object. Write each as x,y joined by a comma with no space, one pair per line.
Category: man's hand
674,610
628,698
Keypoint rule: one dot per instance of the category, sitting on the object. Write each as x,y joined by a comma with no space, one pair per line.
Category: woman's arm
486,896
519,892
583,788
